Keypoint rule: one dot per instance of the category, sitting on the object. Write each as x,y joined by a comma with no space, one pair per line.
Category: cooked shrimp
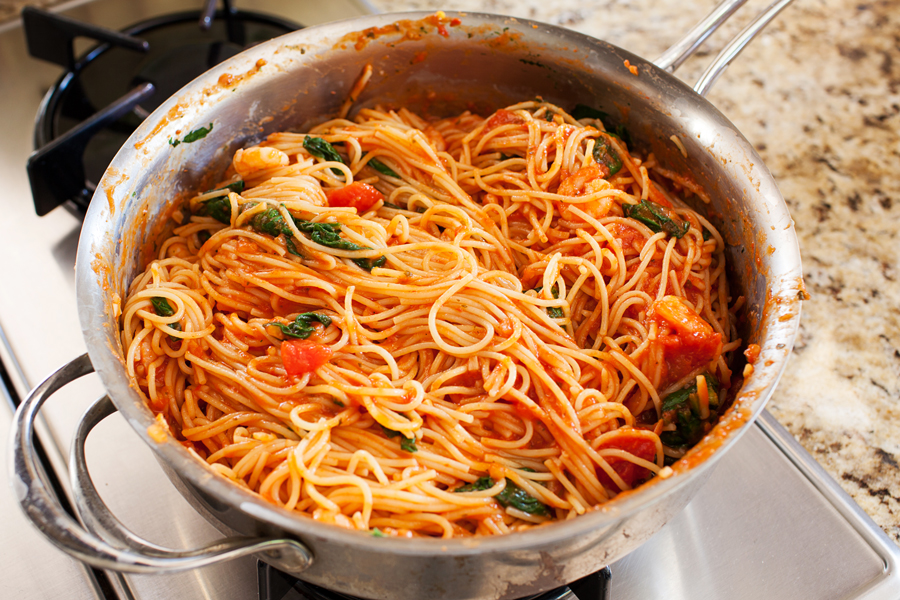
258,159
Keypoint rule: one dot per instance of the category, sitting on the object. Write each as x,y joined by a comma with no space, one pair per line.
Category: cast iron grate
104,95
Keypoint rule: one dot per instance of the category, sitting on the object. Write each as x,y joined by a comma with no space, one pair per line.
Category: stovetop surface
769,523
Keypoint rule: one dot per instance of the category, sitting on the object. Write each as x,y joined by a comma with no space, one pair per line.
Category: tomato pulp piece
689,342
502,117
358,195
303,356
627,470
687,352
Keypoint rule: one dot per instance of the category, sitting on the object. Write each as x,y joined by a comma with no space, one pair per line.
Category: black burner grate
106,94
276,585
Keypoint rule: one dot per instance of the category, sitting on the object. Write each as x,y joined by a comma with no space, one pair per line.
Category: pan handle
681,50
103,541
736,45
672,58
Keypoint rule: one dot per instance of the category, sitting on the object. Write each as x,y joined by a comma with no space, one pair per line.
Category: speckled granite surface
818,94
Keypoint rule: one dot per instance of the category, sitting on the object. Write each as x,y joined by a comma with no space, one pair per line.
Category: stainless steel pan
486,61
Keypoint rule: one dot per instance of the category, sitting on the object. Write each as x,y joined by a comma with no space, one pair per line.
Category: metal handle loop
113,546
736,45
91,509
672,58
681,50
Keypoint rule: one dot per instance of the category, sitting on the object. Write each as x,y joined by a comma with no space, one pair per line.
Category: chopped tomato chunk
627,470
692,344
503,117
687,352
679,315
360,196
303,356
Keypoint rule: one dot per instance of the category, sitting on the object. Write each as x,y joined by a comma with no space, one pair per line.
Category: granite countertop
818,95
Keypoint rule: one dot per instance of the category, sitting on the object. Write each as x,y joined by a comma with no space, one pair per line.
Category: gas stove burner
106,94
276,585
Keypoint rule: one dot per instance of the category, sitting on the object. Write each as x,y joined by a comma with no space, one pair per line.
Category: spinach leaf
389,432
324,234
555,312
480,485
681,396
193,136
408,444
391,205
271,222
586,112
328,234
291,247
682,408
605,155
377,533
653,216
162,306
383,168
218,208
322,149
302,327
689,431
513,495
369,263
237,187
198,134
176,327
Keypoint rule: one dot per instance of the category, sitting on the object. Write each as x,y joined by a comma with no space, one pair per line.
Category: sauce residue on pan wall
438,23
175,113
229,80
403,30
107,182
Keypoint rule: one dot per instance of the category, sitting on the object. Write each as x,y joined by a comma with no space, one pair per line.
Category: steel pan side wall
480,576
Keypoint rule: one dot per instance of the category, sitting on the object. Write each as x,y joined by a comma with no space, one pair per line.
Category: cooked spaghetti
449,327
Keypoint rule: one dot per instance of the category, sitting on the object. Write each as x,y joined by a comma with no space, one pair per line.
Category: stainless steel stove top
770,523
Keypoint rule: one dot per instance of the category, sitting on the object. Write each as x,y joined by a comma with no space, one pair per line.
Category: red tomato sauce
688,341
503,117
627,470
